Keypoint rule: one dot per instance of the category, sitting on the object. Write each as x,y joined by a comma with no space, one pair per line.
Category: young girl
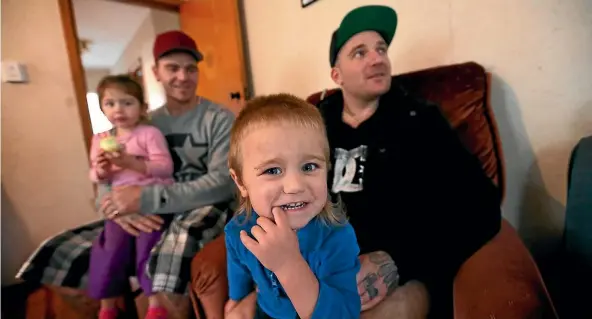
287,239
132,153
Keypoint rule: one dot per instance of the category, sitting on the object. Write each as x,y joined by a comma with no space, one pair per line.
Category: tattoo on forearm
369,284
387,270
390,275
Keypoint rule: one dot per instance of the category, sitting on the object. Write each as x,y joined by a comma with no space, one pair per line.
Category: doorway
116,36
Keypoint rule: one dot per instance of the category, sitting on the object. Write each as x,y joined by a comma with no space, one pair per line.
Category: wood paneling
216,27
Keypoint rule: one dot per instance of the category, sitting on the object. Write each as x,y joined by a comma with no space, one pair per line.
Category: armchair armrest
209,281
501,280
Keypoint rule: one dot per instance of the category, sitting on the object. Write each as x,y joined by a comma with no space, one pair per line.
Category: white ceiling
110,26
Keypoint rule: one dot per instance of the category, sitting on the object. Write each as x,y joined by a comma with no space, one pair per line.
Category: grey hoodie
199,141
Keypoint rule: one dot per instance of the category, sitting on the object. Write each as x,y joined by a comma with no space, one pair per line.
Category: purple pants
115,255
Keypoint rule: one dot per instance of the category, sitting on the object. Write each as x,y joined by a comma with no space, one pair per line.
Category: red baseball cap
170,41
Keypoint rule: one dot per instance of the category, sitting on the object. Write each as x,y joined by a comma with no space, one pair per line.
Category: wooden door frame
169,5
76,69
73,49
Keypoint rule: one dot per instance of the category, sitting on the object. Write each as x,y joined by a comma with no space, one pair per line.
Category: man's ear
239,184
336,75
155,71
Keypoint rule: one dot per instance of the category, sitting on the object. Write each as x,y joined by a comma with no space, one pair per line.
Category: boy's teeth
293,205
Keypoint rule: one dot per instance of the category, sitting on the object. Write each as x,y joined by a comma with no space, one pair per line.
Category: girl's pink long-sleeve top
147,143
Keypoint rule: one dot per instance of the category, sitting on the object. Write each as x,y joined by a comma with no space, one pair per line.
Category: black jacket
425,200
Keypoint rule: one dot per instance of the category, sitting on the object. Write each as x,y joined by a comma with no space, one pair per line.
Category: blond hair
279,109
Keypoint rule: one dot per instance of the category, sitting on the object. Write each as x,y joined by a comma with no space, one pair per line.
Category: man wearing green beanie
419,202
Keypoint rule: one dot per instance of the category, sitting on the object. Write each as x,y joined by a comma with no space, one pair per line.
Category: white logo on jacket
348,173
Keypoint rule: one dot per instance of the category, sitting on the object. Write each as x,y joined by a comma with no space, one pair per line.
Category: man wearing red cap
176,56
198,133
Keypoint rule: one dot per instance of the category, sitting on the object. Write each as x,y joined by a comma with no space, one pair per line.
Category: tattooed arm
377,278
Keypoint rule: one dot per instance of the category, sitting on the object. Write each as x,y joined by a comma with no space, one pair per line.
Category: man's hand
276,244
126,200
378,277
136,223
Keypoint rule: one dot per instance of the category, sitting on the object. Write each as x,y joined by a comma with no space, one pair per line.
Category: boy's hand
276,244
230,304
244,309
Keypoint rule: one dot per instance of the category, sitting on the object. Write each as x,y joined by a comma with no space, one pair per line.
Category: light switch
14,72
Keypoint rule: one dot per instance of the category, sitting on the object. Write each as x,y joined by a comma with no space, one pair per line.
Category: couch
53,302
501,280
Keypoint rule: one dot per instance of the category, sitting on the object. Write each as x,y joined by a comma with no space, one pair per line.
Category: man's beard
185,99
180,101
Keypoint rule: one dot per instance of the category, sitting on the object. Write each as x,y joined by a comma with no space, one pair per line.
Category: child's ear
237,181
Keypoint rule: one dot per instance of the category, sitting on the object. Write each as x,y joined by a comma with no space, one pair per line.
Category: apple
109,144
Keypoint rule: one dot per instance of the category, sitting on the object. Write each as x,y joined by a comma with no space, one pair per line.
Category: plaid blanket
63,260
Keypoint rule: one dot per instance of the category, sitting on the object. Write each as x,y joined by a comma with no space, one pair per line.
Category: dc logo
349,169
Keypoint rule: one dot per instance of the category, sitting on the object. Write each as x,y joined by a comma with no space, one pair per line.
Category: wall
133,51
93,77
538,50
141,47
164,20
45,186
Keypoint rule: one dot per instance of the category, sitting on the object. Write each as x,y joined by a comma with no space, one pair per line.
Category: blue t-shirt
331,253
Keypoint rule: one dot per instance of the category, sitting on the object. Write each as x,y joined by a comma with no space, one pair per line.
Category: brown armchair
501,280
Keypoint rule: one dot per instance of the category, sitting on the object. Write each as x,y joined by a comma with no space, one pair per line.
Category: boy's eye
309,167
273,171
108,103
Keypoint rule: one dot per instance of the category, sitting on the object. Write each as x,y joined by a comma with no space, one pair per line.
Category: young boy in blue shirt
287,239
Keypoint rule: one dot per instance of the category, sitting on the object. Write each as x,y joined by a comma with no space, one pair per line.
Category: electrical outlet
14,72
